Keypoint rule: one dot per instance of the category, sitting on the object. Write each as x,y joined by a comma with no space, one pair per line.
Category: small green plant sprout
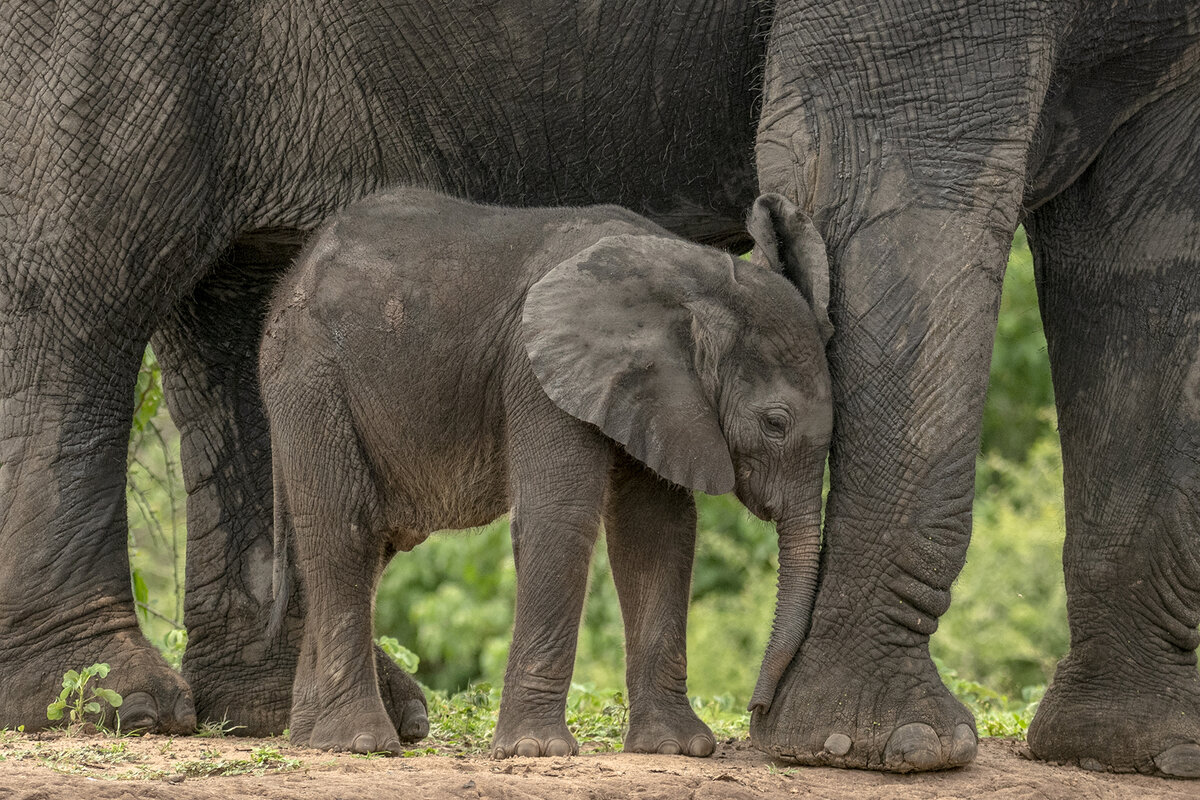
78,700
406,659
214,729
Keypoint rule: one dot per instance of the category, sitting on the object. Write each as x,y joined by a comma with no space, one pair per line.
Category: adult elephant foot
841,708
1098,718
669,730
246,699
156,699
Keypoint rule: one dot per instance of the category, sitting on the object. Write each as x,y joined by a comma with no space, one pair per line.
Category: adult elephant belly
167,164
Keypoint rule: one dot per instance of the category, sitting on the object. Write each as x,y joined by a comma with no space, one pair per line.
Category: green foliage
78,700
404,658
1007,623
1019,386
155,499
995,714
450,600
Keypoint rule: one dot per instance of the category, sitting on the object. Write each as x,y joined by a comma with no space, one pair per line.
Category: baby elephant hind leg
650,528
336,703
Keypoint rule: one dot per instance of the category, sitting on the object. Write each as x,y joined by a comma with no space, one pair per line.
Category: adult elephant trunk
799,567
911,163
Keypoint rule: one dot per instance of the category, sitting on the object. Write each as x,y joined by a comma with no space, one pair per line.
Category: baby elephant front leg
553,534
650,527
552,567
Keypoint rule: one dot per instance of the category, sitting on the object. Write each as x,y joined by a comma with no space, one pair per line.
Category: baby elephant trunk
799,565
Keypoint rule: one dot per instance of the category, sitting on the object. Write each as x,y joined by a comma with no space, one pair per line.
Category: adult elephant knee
917,165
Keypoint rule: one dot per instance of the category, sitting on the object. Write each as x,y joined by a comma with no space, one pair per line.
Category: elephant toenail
963,746
558,747
837,744
364,743
701,746
1180,761
185,712
527,748
139,712
499,754
914,747
1091,765
668,747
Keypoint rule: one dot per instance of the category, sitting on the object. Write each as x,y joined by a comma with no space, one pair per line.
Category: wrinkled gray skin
431,363
154,175
919,139
161,163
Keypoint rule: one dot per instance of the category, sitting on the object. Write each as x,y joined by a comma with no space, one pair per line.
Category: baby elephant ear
787,240
609,339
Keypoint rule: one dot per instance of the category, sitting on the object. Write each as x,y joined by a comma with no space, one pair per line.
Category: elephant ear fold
609,338
787,240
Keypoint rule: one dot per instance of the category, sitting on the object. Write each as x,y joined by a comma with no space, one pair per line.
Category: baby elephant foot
369,732
547,740
674,731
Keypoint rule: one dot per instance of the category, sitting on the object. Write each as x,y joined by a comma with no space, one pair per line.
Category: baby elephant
431,364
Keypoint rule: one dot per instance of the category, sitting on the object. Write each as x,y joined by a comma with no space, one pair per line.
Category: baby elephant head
711,371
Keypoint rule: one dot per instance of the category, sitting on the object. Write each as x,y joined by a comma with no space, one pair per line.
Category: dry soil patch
34,768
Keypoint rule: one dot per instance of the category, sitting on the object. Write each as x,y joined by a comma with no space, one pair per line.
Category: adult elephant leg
909,368
915,185
69,354
1118,258
208,347
650,528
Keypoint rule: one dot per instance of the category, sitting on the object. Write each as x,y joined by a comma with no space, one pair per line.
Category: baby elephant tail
281,580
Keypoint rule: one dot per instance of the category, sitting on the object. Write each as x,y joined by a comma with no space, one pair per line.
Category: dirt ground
94,768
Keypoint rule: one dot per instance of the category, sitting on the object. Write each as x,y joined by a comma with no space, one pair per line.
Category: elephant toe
139,711
551,740
416,722
369,743
527,748
1180,761
702,746
838,744
913,747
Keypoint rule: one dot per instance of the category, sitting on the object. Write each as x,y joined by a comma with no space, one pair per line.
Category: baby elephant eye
775,423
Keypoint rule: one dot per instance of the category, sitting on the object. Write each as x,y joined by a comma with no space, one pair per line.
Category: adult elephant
920,137
157,168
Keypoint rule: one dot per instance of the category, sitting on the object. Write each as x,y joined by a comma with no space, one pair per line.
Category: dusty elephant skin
430,364
158,166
